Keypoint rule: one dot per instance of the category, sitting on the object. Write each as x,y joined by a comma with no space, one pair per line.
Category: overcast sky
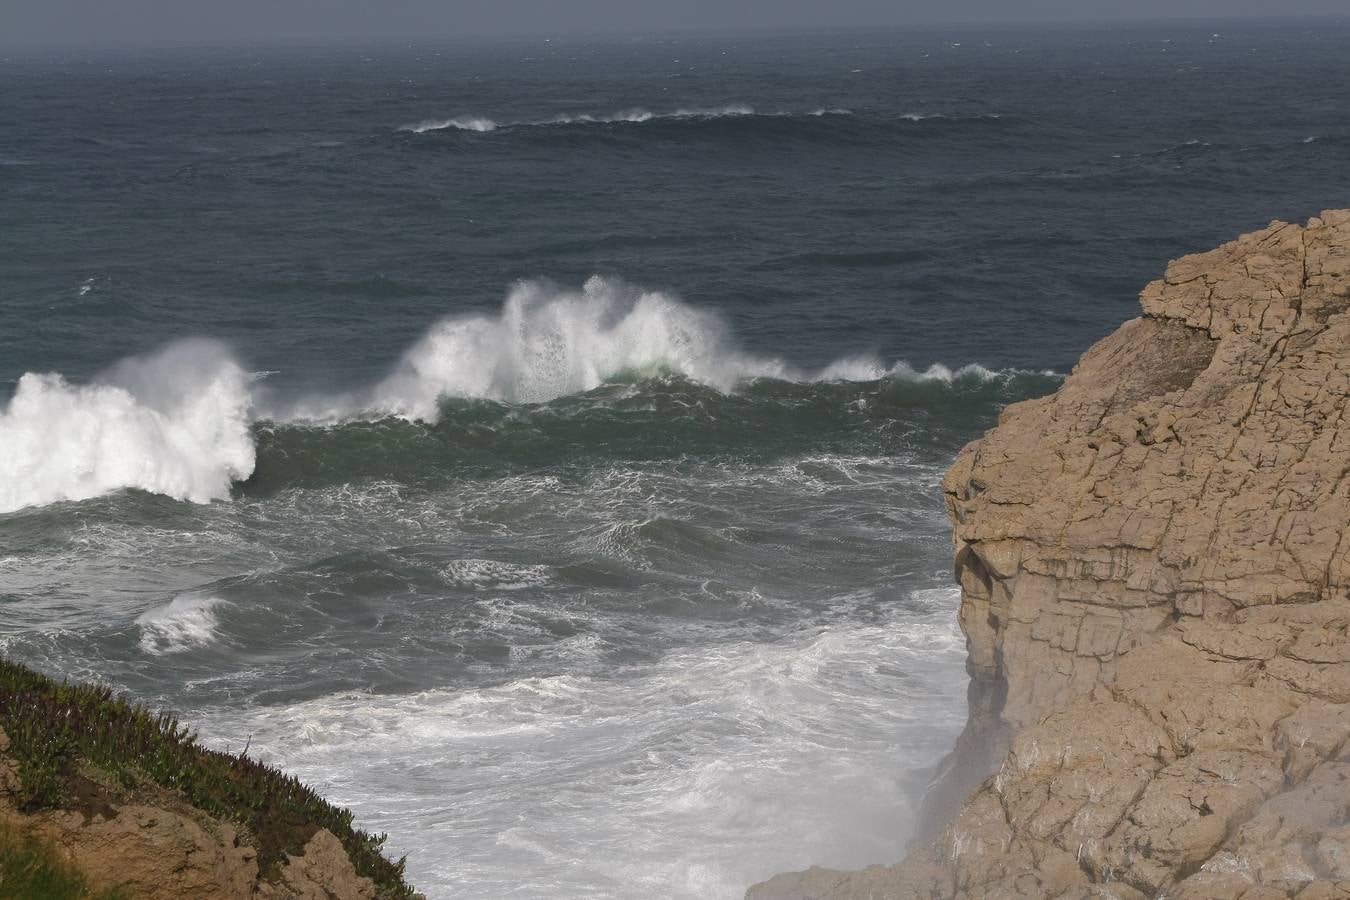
57,22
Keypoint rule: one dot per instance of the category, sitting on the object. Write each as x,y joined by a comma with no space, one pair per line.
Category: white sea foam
490,574
462,123
690,776
924,117
636,114
715,112
179,422
632,115
175,423
548,342
185,622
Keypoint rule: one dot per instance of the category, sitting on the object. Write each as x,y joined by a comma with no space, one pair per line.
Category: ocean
536,445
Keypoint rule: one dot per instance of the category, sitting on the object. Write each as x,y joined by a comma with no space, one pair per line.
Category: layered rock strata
1155,574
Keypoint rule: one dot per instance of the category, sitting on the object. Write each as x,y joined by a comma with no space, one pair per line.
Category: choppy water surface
537,445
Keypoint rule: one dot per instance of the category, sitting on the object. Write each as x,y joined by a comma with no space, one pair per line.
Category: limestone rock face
1155,573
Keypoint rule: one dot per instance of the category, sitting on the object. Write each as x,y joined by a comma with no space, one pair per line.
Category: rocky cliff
1155,574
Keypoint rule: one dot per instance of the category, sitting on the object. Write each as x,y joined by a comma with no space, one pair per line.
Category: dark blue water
536,444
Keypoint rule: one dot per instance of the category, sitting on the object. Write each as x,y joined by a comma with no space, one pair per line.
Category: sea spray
549,342
180,422
185,622
460,123
176,422
631,116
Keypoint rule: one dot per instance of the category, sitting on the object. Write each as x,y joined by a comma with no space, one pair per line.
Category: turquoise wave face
637,419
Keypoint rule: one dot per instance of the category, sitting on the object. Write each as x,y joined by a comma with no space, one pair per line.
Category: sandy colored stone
151,852
1155,574
322,872
169,851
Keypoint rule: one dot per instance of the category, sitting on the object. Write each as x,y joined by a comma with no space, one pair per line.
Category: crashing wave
926,117
179,422
176,423
182,624
461,123
633,115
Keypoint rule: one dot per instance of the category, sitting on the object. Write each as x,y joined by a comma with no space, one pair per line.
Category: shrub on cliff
31,868
57,731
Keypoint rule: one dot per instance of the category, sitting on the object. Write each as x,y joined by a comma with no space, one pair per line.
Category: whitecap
549,342
186,622
180,422
797,747
718,112
176,422
461,123
491,574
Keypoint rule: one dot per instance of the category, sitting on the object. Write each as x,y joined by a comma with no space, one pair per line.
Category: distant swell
180,422
633,115
943,117
461,123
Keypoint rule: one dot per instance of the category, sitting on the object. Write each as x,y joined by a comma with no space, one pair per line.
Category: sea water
536,445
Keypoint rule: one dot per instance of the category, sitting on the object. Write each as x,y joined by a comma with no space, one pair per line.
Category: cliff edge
101,799
1155,574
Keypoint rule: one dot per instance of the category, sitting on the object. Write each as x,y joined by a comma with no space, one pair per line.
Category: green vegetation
31,868
58,730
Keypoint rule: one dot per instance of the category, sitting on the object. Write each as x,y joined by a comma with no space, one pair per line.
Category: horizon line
343,39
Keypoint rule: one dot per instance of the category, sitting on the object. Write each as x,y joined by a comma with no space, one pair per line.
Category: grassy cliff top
77,744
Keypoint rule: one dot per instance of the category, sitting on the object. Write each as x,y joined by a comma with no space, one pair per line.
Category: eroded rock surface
1155,573
160,848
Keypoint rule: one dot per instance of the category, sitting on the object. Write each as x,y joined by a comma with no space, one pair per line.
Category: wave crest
547,343
461,123
180,422
184,623
176,422
633,115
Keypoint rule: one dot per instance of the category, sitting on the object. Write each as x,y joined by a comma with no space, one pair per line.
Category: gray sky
84,22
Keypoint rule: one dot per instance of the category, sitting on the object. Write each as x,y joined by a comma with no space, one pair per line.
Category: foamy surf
186,622
638,780
179,422
487,574
459,123
943,117
175,423
549,342
629,116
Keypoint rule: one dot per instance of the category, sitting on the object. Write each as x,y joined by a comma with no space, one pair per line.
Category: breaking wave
180,422
942,117
632,115
549,342
461,123
182,624
176,422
